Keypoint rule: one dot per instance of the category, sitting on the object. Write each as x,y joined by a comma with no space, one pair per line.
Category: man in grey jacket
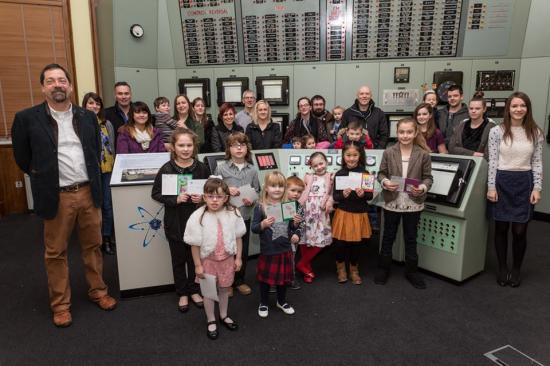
454,113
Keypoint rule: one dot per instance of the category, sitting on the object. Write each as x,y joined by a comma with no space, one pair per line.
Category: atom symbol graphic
151,226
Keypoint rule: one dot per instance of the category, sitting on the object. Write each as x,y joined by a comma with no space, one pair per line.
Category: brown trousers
74,207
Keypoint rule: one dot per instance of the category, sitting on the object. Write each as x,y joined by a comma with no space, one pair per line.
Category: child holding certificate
407,160
277,234
241,177
177,209
215,234
317,202
350,224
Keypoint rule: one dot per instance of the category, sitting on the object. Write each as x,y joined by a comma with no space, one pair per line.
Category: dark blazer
420,167
34,137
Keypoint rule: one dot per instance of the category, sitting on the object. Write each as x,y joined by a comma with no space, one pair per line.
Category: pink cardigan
327,198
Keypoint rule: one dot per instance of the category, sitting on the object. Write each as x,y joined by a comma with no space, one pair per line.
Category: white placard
137,168
401,97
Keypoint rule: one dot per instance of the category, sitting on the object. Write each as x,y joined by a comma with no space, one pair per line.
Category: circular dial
136,30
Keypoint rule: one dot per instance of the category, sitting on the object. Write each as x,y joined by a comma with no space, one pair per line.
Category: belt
74,187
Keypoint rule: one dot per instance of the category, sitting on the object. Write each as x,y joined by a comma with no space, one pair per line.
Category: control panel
495,80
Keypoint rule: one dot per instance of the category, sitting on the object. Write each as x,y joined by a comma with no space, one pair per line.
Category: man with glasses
244,117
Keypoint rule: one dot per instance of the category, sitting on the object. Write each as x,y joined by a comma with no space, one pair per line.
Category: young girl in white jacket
215,233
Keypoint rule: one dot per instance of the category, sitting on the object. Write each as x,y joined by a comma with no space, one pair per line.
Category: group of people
69,152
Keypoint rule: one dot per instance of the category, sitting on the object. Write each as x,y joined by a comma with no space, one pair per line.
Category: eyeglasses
238,146
215,197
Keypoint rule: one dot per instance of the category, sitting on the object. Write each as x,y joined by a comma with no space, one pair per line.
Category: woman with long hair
514,182
93,102
139,135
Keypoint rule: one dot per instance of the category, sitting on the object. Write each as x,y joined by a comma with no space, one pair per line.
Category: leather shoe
212,334
230,326
514,279
62,319
106,303
244,289
199,304
308,278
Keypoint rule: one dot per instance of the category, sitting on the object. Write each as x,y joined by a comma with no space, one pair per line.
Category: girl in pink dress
317,202
215,233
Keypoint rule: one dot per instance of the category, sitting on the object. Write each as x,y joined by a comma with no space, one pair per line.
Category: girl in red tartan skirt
275,261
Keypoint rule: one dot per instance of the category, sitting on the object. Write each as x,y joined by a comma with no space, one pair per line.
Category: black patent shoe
212,334
514,280
228,325
502,278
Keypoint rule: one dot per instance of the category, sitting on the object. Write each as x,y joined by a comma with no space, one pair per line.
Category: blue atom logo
151,226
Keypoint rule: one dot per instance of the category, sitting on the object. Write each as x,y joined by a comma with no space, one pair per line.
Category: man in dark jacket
453,114
319,112
373,118
58,145
118,113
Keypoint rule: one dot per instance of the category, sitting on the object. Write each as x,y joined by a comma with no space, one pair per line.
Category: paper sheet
246,191
274,211
208,287
169,184
196,186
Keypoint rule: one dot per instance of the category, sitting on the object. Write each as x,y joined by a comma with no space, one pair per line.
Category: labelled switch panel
439,232
495,80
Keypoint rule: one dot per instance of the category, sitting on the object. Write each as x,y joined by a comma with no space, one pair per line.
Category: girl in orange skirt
350,225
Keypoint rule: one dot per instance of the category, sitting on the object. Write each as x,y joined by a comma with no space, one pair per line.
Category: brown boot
354,275
341,272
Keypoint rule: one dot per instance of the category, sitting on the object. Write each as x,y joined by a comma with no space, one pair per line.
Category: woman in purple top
423,115
139,135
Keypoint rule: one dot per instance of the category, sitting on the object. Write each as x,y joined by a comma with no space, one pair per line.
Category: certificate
245,191
196,186
208,287
274,211
169,184
175,184
289,210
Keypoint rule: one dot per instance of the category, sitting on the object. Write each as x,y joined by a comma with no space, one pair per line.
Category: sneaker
286,308
263,311
295,285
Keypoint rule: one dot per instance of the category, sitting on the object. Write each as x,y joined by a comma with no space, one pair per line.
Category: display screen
266,161
443,182
307,160
339,160
232,91
393,126
329,159
295,160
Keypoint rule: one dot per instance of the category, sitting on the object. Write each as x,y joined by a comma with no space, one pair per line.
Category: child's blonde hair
338,107
273,179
